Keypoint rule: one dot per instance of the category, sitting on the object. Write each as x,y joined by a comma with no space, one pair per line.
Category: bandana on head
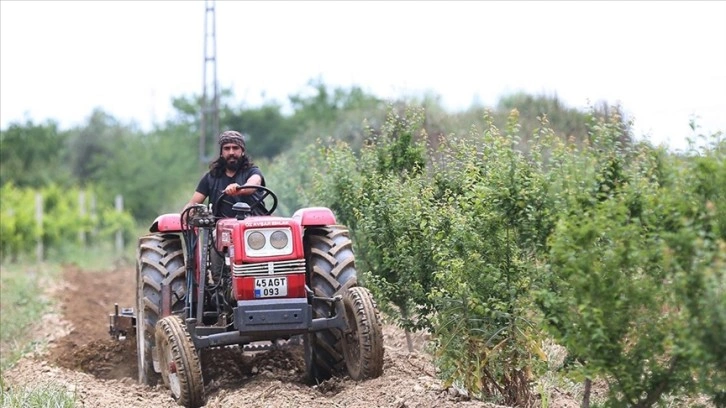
231,136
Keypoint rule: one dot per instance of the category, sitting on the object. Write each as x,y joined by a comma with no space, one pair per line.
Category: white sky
663,61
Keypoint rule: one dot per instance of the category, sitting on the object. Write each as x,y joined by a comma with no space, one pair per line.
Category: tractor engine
219,289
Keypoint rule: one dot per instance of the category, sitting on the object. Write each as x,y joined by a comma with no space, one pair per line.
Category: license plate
270,287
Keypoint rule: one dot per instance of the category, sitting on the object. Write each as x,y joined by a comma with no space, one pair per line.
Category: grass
47,396
22,303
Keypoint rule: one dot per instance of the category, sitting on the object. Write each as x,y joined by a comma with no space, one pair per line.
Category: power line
210,103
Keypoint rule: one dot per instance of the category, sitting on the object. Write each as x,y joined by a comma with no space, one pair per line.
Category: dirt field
102,372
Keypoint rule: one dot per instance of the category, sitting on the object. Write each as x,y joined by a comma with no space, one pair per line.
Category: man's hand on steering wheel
235,189
254,202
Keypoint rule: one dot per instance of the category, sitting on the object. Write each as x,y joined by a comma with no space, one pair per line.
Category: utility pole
210,93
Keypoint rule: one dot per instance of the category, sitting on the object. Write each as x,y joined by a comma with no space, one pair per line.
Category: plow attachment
122,324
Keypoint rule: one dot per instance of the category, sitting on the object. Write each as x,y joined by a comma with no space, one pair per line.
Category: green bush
615,249
635,265
449,243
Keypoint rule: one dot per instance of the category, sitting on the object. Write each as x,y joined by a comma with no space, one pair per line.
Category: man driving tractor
230,274
233,168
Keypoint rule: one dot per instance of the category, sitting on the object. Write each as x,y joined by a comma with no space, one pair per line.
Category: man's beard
233,163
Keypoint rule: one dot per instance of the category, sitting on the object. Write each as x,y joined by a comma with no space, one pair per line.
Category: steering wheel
256,202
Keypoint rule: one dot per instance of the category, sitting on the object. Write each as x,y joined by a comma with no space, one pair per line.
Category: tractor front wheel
359,349
181,369
363,341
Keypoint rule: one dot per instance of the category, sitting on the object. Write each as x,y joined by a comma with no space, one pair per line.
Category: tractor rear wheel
331,263
159,262
181,369
363,342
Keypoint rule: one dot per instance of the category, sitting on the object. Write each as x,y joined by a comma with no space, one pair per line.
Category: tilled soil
102,372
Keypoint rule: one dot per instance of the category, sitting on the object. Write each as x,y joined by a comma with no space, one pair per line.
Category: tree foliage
33,154
635,265
268,132
492,248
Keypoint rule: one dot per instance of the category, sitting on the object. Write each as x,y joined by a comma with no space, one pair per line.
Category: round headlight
256,240
278,239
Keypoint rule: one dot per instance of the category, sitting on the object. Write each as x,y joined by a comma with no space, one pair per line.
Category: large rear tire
159,261
181,369
330,258
363,342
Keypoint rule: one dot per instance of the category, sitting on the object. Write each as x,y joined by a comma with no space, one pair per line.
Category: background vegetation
498,230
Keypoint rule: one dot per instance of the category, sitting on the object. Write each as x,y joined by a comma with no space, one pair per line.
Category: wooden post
82,213
94,217
39,222
119,233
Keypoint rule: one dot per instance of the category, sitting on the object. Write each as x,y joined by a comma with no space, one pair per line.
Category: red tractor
206,279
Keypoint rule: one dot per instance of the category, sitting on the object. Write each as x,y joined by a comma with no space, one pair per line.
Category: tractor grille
270,268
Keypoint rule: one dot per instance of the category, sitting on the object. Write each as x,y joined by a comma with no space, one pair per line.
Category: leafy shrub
634,266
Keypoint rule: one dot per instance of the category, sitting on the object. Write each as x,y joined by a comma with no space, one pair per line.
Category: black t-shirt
213,188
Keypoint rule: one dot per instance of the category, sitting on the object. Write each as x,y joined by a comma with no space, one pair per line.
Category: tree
267,129
32,154
91,146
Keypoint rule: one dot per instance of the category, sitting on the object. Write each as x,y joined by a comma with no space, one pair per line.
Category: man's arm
254,179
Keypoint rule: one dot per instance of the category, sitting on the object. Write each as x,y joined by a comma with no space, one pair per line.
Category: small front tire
181,369
363,341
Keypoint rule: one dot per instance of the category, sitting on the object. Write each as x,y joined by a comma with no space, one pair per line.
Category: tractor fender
314,216
166,223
